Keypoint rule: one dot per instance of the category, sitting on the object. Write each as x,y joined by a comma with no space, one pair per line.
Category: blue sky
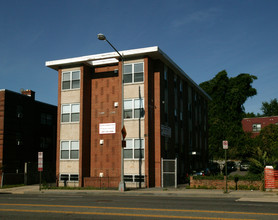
203,37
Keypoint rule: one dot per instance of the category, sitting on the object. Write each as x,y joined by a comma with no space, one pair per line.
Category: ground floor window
134,178
69,177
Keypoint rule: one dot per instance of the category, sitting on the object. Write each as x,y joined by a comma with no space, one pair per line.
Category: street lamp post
122,183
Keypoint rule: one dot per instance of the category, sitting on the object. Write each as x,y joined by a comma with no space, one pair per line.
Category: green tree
268,142
271,108
226,111
266,150
258,161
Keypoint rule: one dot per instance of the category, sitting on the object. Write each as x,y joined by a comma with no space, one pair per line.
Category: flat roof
113,57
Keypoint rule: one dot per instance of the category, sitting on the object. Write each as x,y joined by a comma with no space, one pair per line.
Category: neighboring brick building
165,116
255,125
27,126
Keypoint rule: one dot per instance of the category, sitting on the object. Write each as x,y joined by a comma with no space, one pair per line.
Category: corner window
256,127
70,113
134,149
69,150
133,108
71,80
133,73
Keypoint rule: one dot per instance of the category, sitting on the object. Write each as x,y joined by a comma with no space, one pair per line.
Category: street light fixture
122,183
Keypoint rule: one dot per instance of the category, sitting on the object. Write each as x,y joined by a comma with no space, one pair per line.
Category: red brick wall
105,90
264,121
148,151
157,123
221,184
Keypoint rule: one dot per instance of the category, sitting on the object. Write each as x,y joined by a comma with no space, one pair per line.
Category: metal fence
169,172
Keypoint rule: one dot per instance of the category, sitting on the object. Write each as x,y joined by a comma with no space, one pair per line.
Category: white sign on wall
107,128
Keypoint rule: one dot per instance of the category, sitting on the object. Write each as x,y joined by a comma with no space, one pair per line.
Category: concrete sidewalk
240,195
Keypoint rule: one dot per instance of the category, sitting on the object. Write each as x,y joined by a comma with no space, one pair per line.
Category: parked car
198,173
231,166
244,166
213,169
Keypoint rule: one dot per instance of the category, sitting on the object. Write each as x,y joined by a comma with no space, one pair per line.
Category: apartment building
27,127
164,115
255,125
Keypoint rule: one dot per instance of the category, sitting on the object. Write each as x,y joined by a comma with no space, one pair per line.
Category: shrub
216,177
248,177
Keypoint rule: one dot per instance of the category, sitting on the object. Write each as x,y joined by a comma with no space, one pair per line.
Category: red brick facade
101,88
249,124
105,91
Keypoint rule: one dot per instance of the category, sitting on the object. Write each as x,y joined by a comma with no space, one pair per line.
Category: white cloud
198,17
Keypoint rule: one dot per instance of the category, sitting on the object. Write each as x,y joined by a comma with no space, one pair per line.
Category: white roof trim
101,56
106,58
102,62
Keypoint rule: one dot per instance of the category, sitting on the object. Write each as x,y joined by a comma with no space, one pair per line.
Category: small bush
243,187
212,177
248,177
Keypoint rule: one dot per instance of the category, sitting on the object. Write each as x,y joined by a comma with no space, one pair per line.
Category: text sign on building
166,131
225,145
107,128
40,161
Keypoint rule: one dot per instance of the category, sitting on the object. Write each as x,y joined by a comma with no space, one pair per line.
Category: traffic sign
123,132
225,145
40,161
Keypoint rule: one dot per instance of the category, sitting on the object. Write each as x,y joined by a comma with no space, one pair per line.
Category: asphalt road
115,206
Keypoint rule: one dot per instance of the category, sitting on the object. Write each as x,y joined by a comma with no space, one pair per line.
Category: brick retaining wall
221,184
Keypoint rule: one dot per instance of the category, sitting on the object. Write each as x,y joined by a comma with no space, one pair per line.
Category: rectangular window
69,177
128,106
70,113
128,178
64,177
257,127
134,149
134,178
74,177
134,73
71,80
133,108
69,150
128,150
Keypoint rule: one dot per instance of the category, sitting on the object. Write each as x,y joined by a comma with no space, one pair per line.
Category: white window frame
133,72
130,146
70,149
71,80
133,176
133,108
70,112
256,127
69,175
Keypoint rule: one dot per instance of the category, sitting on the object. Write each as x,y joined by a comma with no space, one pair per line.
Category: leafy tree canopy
266,150
271,108
226,111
